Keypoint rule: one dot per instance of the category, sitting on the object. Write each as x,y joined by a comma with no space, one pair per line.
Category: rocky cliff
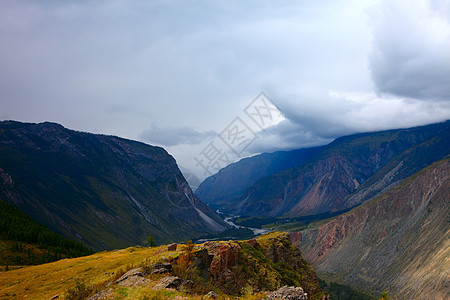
105,191
398,242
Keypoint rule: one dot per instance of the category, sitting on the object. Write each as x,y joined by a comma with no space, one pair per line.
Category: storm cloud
175,135
173,73
411,55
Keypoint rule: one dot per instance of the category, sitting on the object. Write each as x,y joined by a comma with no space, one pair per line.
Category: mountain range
104,191
338,176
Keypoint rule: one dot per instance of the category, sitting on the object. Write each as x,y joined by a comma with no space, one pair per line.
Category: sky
184,74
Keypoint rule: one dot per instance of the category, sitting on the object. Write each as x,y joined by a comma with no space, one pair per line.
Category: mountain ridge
328,181
105,191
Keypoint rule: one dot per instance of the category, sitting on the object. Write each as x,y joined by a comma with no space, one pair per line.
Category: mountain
346,172
250,269
231,182
398,242
104,191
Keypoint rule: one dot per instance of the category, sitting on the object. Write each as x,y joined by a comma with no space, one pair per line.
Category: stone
104,294
161,268
168,282
288,293
134,281
134,272
172,247
211,295
252,242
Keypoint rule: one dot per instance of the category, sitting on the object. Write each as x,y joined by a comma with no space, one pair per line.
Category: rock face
398,242
347,172
105,191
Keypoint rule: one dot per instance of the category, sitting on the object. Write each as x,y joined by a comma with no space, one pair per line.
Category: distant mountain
398,242
228,185
347,172
104,191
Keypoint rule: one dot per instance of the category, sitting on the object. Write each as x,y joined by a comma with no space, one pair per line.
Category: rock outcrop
262,264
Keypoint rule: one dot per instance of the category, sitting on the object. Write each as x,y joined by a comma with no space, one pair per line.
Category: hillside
398,242
347,172
228,185
104,191
23,241
240,268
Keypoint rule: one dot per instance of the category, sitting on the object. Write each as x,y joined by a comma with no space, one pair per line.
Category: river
256,231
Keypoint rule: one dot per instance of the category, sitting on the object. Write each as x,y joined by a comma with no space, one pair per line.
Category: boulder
134,272
161,268
104,294
172,247
288,293
168,282
211,295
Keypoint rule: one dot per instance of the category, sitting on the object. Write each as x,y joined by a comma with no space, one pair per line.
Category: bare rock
252,242
172,247
105,294
211,295
133,281
289,293
161,268
168,282
134,272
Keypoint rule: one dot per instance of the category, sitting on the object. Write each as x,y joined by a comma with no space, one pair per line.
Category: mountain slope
398,242
232,181
347,172
105,191
23,241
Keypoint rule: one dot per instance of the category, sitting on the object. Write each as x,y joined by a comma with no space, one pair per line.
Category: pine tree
151,241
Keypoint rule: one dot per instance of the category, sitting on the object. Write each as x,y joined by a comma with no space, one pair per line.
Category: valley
367,212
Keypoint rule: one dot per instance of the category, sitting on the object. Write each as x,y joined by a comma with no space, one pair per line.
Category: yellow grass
45,281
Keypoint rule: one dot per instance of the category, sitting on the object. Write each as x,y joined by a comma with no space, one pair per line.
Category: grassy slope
45,281
48,280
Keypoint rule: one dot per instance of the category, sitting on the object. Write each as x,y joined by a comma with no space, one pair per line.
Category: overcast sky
178,73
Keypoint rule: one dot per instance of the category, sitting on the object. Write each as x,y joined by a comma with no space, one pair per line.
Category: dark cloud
175,136
411,55
115,67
